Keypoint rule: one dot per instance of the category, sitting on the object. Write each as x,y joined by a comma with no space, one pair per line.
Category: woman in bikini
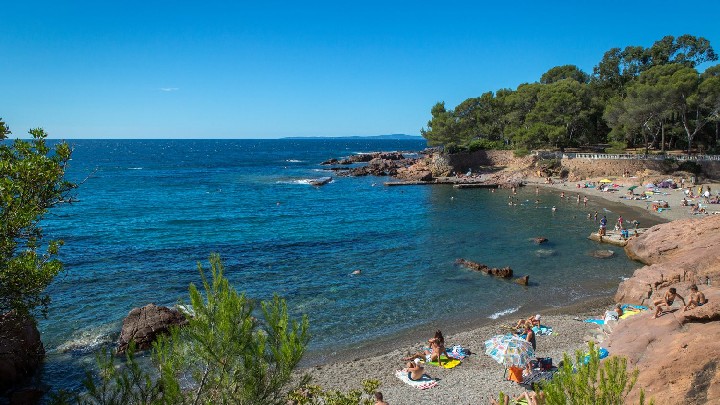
670,296
432,353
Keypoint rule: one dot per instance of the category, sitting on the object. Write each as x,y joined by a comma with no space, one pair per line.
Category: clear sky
266,69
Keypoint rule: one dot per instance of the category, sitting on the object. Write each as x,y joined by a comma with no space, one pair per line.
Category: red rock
678,354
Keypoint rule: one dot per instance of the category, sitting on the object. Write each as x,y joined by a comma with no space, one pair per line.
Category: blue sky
268,69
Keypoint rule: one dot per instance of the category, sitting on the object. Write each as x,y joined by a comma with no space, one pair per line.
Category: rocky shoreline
678,353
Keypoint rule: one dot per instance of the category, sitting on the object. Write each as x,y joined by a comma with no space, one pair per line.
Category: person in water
670,296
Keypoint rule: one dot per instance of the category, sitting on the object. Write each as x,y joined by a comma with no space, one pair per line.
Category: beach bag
545,363
515,374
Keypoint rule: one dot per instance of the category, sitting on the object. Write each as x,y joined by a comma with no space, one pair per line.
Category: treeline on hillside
635,97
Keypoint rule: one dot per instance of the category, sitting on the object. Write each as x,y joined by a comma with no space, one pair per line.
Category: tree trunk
662,137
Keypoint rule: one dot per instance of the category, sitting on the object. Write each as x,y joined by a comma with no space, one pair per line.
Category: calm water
149,211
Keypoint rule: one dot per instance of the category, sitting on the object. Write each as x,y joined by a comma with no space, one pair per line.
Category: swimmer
554,209
356,272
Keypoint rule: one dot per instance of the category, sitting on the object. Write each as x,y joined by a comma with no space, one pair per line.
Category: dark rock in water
27,396
332,161
524,280
21,350
144,325
540,239
505,272
321,181
602,253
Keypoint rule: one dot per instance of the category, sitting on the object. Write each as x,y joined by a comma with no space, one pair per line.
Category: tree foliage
650,97
223,355
32,180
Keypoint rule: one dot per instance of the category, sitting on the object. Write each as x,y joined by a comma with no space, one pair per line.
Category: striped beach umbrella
509,350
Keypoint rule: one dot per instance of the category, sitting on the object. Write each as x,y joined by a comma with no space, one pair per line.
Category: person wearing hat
534,320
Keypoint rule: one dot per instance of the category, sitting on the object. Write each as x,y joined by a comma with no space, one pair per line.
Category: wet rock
144,325
524,280
21,350
505,272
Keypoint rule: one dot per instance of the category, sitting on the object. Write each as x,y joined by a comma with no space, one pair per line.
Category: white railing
627,156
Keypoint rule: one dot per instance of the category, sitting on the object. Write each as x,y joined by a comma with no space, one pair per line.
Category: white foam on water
293,161
89,340
135,168
508,311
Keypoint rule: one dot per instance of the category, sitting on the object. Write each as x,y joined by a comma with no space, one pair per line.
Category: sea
148,212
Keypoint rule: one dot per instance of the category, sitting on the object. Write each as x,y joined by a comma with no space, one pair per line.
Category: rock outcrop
678,354
144,325
21,350
682,252
505,272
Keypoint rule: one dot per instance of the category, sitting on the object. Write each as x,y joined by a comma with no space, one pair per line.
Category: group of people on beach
696,299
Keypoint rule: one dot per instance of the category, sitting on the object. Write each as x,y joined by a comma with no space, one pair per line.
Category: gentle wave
89,340
508,311
293,161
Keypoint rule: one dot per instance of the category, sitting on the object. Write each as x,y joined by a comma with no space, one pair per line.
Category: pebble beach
479,377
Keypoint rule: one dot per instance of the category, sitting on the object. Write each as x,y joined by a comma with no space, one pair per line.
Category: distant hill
394,137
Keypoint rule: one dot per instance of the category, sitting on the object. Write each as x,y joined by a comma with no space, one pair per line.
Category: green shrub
315,395
223,355
589,382
521,152
616,147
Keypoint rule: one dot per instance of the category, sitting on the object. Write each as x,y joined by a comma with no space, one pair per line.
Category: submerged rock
544,252
505,272
602,253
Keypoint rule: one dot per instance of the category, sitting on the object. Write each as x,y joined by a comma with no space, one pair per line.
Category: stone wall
581,169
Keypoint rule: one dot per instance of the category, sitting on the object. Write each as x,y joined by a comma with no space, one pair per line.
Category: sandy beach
673,197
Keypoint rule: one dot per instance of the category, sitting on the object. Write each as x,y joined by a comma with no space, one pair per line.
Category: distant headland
394,137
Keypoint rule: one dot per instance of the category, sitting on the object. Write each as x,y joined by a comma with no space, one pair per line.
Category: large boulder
144,325
677,354
21,350
681,252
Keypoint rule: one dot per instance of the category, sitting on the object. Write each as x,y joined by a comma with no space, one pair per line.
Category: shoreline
479,378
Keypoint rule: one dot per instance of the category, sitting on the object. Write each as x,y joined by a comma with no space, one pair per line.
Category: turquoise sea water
149,211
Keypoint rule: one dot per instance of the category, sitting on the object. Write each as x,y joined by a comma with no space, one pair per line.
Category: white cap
537,317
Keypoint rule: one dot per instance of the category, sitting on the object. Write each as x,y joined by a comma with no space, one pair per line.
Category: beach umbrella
631,188
605,181
509,350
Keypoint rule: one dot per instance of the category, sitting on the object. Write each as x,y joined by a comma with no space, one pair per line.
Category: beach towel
597,321
542,330
446,362
424,383
457,352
